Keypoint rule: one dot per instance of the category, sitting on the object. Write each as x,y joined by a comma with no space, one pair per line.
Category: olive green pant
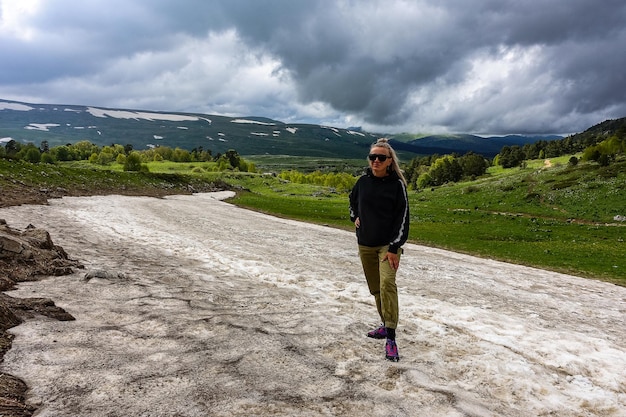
381,280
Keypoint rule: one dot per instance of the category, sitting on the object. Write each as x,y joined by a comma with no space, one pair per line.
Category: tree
133,162
62,153
12,148
233,158
29,153
201,155
47,158
223,164
181,155
613,146
165,152
424,181
473,165
604,160
511,156
82,150
592,153
32,155
445,169
105,156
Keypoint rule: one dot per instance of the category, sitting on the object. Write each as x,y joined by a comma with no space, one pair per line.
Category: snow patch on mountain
4,105
255,122
124,114
43,127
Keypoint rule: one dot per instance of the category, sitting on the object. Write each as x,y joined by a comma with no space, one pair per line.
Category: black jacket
382,205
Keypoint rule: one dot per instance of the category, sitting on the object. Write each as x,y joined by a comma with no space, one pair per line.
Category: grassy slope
556,218
22,182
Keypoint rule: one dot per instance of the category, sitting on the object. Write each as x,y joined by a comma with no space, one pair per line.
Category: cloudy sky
431,66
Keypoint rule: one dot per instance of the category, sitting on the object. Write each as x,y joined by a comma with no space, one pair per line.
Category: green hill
62,124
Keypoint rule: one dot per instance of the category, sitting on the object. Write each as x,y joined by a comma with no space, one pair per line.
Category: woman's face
378,167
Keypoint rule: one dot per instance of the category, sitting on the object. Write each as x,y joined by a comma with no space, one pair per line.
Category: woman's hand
393,259
357,222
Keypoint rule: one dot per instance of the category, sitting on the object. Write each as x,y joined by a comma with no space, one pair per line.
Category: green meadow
556,217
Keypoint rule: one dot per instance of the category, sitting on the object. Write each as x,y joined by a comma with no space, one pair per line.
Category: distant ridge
59,124
463,143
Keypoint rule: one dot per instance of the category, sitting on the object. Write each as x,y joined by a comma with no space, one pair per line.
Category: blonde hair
384,143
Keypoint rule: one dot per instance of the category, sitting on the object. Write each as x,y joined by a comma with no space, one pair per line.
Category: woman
379,208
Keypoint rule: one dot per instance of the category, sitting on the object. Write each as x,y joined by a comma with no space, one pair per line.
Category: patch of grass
305,164
86,179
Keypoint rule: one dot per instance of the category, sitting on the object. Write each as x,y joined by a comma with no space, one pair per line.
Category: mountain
463,143
606,128
62,124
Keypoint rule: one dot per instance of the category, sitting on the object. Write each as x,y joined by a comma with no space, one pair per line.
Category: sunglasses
381,158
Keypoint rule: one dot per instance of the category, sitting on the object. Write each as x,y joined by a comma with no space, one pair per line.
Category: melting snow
223,311
252,122
44,127
123,114
14,106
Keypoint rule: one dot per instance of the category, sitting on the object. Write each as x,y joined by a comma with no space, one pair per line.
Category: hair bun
382,140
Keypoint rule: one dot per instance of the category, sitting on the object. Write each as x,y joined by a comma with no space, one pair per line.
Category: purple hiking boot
391,351
378,333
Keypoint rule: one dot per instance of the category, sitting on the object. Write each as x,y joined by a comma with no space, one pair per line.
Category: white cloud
217,74
14,18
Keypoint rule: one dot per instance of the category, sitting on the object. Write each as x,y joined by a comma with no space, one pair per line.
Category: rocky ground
26,255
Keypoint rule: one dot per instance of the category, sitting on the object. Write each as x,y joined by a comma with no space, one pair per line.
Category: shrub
133,162
47,158
32,155
470,189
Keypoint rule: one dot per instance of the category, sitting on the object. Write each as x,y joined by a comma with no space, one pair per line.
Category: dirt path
201,308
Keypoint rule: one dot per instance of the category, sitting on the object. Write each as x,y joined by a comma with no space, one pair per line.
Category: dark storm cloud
368,57
485,66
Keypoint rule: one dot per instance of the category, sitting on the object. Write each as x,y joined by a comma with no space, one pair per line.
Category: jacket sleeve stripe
403,231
